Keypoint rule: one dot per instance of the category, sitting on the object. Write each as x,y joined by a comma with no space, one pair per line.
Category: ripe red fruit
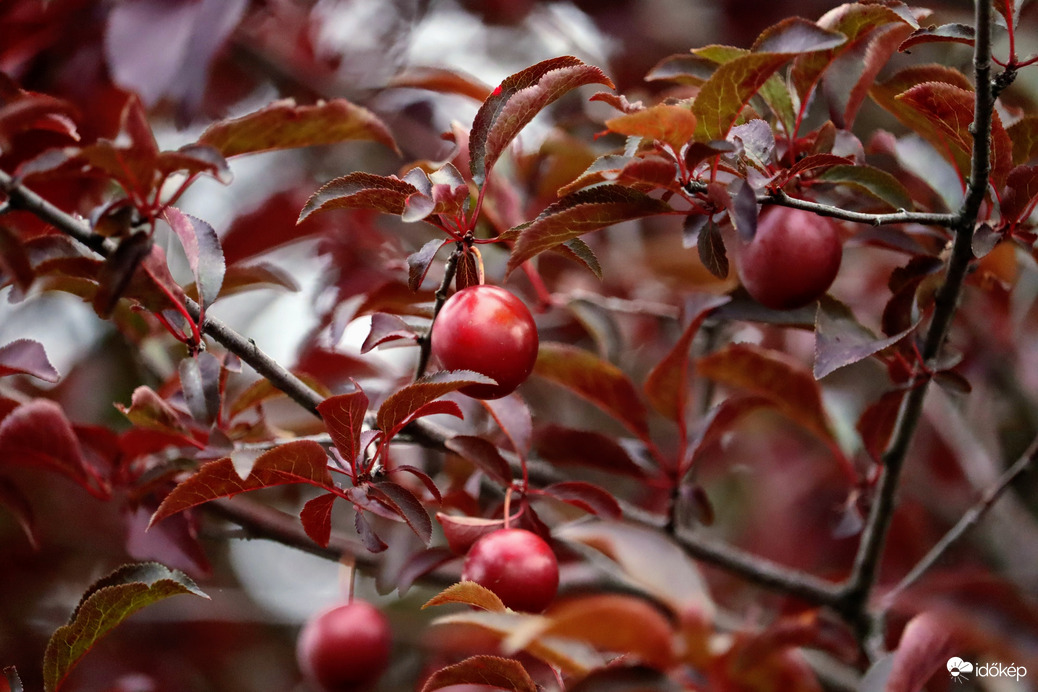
517,565
488,330
792,260
345,648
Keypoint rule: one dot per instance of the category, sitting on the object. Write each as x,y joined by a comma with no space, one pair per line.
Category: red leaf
419,564
37,433
468,593
724,95
1024,134
1021,191
285,125
397,410
240,278
565,446
204,254
15,502
385,327
462,532
367,534
718,422
403,502
441,80
517,100
671,124
635,629
789,387
596,380
343,415
14,260
876,424
299,461
502,673
484,455
25,356
579,213
587,496
317,518
150,411
666,386
360,191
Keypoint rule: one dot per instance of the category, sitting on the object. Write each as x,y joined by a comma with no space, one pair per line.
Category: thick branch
870,551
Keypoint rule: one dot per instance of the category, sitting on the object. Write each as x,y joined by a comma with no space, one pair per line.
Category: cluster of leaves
732,131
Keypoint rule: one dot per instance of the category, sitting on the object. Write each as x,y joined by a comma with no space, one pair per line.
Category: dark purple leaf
513,417
420,564
200,383
385,328
561,446
418,263
484,455
841,340
367,534
710,246
404,503
360,191
204,254
25,356
17,504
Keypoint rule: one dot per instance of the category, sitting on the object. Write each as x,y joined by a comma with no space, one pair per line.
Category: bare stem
870,550
425,340
970,519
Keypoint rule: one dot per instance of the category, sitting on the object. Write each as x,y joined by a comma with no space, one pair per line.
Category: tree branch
970,519
870,550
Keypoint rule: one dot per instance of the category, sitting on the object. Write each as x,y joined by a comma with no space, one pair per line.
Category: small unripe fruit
345,648
792,260
488,330
517,565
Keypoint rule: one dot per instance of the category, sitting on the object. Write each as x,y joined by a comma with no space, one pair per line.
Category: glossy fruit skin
345,648
488,330
792,260
517,565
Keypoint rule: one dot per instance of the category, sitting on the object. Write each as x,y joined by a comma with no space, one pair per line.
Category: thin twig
425,340
970,519
870,550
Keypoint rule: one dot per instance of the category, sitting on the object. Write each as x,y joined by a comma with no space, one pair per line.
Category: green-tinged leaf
105,605
343,415
945,33
579,213
285,125
1024,135
299,461
517,100
649,559
873,33
38,433
316,518
204,253
874,181
671,124
468,593
578,250
494,671
683,68
666,386
841,340
404,504
26,357
596,380
586,496
398,409
645,174
636,628
774,91
723,96
361,191
789,386
200,384
484,454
